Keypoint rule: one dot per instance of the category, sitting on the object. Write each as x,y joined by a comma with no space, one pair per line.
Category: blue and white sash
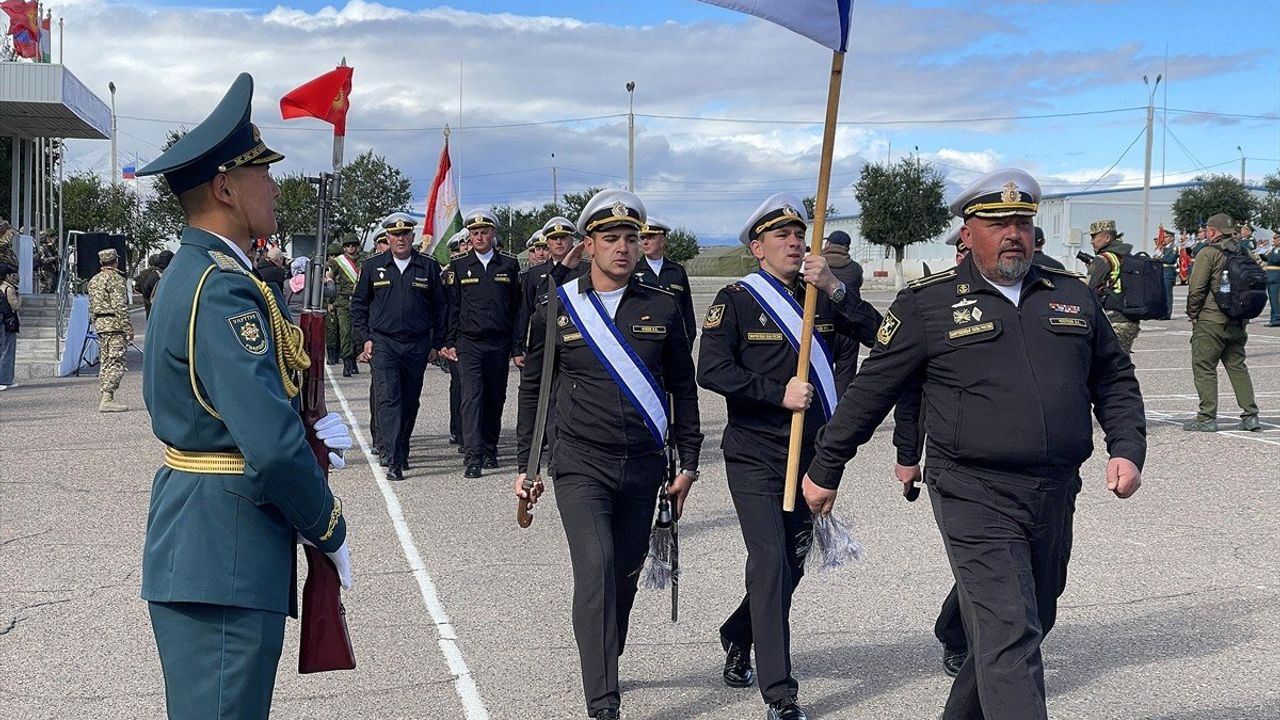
618,357
789,316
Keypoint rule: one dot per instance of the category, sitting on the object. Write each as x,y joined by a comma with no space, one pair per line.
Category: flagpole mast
811,296
338,139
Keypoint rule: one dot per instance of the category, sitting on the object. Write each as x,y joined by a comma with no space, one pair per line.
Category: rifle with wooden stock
326,641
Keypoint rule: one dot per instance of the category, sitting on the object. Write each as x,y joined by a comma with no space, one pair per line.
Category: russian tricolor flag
130,172
824,21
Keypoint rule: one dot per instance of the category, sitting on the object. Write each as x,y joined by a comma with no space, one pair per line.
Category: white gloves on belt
336,436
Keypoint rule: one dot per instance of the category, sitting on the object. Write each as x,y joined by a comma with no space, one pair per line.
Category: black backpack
1135,288
8,317
1243,290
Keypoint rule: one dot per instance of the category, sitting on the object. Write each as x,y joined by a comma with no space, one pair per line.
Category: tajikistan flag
443,216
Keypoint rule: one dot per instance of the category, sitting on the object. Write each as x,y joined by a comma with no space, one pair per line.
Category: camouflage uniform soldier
8,236
110,311
1110,249
331,338
47,263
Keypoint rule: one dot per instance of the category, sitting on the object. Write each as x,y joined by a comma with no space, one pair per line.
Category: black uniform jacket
484,302
400,306
1007,389
673,278
745,357
591,409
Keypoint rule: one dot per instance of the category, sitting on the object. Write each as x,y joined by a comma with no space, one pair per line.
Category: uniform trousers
1212,342
342,319
1170,278
1273,294
1126,330
398,366
949,627
777,543
111,350
606,504
1008,538
483,368
219,662
375,431
455,400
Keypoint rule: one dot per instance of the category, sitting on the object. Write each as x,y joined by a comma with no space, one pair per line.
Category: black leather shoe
346,369
606,714
461,450
404,464
491,462
394,473
384,461
952,659
787,709
473,471
737,665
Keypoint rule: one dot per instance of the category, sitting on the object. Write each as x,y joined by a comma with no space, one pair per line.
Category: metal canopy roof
45,100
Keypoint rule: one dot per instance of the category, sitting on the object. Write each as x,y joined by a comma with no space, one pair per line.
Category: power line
440,128
1268,116
1185,150
918,121
1136,138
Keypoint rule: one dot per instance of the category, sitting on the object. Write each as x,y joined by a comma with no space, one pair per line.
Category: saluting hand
1123,477
799,395
574,255
820,500
532,493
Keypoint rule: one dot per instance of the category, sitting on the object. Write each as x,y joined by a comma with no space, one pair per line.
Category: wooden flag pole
811,297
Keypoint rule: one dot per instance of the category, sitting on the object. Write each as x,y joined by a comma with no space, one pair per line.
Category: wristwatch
691,474
838,296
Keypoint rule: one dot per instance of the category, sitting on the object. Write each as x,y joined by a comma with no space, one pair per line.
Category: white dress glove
336,436
341,559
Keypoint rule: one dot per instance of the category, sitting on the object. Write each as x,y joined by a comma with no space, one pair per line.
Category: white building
1064,217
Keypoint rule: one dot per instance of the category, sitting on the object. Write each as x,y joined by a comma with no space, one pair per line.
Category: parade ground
1170,611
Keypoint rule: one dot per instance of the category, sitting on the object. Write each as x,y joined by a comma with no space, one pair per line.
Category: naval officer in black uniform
654,268
1015,358
620,349
399,311
749,354
484,308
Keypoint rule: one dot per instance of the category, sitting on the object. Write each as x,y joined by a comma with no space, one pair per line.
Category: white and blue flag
826,22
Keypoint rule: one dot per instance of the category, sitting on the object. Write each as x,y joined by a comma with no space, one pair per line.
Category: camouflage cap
107,256
1101,226
1221,222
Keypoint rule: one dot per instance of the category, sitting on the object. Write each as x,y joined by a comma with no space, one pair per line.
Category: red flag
24,26
326,98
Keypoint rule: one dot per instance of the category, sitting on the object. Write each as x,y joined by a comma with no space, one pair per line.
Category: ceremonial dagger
524,518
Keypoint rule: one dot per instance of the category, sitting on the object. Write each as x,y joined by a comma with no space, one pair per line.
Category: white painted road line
463,682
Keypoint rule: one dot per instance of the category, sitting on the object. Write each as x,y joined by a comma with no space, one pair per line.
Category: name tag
676,287
825,327
502,278
570,337
971,330
649,329
764,337
1069,322
469,281
381,283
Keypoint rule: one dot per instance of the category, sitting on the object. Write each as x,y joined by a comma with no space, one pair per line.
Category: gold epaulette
933,279
647,286
226,262
1056,271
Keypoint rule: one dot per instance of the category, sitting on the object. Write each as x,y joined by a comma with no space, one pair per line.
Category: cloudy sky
728,107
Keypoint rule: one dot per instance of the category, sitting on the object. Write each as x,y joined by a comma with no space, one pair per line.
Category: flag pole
338,139
811,297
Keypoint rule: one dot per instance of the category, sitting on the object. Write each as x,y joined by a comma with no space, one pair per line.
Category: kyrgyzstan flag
824,21
327,98
24,26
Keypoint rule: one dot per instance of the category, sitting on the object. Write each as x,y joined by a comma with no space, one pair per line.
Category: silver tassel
657,571
834,545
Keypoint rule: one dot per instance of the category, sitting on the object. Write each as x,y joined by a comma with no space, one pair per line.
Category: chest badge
764,319
962,316
1064,309
563,321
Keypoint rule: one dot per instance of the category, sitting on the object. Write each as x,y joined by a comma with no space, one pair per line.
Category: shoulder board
734,287
933,279
655,288
509,255
227,263
1056,271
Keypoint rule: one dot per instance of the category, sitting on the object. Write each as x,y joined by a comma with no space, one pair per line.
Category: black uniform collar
386,259
969,280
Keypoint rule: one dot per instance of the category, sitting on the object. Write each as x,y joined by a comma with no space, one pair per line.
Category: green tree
682,244
811,204
519,223
571,204
91,205
296,208
1269,207
371,189
902,204
1215,194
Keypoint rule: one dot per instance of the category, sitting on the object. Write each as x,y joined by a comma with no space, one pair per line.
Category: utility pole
555,187
631,135
1146,178
115,169
1241,164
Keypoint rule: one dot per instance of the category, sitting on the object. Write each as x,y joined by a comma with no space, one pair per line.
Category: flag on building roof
444,216
326,97
45,35
24,26
826,22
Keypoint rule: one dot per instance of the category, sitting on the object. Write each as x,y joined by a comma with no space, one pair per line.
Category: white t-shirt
656,265
402,264
1013,292
485,258
611,299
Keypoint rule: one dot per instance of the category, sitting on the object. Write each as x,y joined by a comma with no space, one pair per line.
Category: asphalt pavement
1170,612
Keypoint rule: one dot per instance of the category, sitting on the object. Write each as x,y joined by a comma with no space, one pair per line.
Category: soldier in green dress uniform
346,273
239,484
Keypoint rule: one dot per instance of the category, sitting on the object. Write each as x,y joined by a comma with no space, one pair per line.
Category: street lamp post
115,170
1146,177
1241,164
555,189
631,136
